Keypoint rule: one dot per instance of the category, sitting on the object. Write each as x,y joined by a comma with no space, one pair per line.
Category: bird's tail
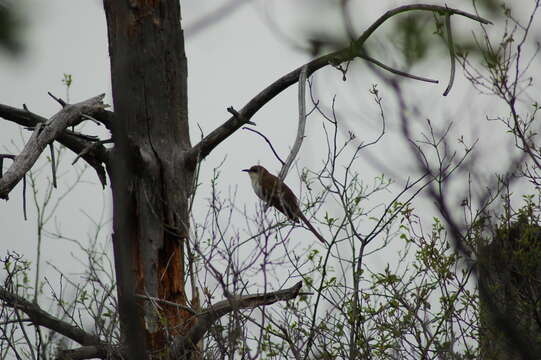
312,229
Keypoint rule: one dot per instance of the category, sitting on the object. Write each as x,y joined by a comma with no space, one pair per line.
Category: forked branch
96,157
356,49
44,133
207,318
40,317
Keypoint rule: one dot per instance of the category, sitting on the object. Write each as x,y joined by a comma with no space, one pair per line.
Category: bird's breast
257,187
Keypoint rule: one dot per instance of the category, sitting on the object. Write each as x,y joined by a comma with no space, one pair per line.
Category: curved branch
207,318
368,58
96,157
42,318
205,146
103,351
442,10
451,47
300,128
268,142
44,133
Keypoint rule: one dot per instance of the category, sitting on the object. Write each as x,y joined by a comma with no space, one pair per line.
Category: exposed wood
151,180
91,352
96,156
301,99
43,134
216,311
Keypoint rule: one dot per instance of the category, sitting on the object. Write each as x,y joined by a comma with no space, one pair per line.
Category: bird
274,192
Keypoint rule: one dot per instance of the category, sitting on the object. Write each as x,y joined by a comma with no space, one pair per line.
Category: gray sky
229,62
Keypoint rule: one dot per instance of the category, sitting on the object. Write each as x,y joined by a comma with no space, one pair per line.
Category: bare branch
91,146
395,71
42,318
301,127
53,162
58,100
90,352
451,47
45,133
268,142
25,215
205,146
74,141
214,312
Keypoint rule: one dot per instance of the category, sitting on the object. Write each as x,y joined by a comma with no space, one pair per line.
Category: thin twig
53,167
167,302
451,47
39,140
366,57
24,198
43,318
236,114
58,100
90,147
268,142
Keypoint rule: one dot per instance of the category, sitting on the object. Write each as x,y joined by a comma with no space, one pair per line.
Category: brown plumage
277,194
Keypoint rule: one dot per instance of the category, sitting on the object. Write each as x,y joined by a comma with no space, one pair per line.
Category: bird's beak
247,170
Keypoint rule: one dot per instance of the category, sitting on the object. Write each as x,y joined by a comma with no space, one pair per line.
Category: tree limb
104,351
451,47
96,157
214,312
206,145
300,128
42,318
44,133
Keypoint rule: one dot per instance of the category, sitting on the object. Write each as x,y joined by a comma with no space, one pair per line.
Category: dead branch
76,142
396,71
356,49
216,311
451,47
300,128
42,318
44,133
90,352
268,142
58,100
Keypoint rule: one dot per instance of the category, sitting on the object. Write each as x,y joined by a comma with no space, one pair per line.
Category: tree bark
151,179
44,134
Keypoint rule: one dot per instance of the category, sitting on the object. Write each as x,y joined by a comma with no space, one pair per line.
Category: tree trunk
151,178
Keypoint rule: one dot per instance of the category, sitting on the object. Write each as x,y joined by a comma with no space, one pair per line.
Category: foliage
393,281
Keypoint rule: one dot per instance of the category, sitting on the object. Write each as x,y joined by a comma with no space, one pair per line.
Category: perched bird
276,193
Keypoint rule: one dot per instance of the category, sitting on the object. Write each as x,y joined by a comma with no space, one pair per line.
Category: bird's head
255,172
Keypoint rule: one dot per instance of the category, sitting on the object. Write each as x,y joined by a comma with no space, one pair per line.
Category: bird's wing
286,202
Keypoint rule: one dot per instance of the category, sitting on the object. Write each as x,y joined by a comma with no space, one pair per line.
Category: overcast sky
229,62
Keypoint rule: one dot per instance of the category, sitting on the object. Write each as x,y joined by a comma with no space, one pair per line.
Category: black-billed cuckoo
276,193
